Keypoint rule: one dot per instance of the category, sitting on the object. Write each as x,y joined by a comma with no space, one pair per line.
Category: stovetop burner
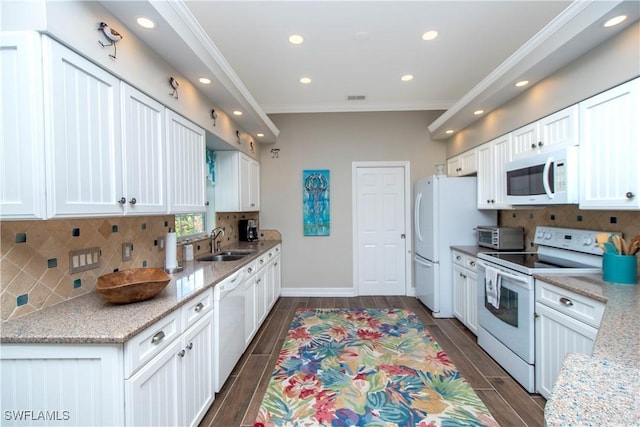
533,260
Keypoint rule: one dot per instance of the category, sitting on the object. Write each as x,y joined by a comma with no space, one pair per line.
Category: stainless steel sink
231,255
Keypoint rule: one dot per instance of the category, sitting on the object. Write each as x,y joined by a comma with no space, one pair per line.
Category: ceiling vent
356,98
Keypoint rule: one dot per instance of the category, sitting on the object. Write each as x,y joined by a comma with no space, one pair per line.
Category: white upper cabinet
144,189
610,149
82,113
186,178
22,174
237,182
462,164
549,133
492,159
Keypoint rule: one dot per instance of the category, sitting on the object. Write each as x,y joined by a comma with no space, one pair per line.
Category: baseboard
326,292
318,292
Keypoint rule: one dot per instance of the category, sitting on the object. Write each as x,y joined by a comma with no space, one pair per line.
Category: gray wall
613,62
333,141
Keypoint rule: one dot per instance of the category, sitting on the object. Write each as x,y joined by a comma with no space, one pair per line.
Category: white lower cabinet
465,290
565,323
176,386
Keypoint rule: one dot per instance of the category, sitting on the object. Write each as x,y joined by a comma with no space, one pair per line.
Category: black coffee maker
248,230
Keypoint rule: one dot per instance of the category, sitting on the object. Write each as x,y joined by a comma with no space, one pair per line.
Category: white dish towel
492,286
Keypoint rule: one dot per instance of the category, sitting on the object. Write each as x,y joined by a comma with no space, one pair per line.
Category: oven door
512,322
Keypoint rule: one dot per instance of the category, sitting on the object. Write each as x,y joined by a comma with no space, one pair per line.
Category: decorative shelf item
132,285
112,36
214,116
174,85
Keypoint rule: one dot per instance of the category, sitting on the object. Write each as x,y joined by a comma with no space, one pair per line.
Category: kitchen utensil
601,238
610,248
617,242
634,246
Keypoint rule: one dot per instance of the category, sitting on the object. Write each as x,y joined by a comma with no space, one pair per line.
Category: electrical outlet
84,259
127,248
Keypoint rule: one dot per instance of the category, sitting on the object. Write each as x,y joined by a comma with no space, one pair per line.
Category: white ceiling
363,48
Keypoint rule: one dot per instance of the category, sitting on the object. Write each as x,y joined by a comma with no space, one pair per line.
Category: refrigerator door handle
417,216
424,262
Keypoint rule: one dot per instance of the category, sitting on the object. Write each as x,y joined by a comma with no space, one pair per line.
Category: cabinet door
197,372
459,294
152,395
525,140
244,183
468,161
186,178
22,177
492,158
471,314
276,279
261,284
143,153
557,335
559,129
609,149
254,185
82,114
453,166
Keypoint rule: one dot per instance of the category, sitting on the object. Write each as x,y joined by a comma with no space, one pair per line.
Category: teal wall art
316,213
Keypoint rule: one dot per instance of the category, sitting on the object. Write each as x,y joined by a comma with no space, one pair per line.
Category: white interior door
380,232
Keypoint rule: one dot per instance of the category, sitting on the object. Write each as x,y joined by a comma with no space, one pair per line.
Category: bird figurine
112,35
174,85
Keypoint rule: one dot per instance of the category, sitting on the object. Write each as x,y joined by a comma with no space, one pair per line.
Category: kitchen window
190,225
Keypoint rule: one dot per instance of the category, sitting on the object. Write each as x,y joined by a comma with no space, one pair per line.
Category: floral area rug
366,367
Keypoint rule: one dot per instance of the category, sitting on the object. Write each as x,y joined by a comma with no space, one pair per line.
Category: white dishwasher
228,312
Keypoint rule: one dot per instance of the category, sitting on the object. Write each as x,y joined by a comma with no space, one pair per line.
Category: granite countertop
602,388
471,250
90,320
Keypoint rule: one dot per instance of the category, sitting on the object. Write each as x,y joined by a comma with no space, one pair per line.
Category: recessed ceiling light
449,132
615,21
430,35
145,22
522,83
478,112
237,113
296,39
204,80
260,135
305,80
407,78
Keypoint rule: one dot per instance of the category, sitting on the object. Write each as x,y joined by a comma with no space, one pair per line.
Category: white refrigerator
446,215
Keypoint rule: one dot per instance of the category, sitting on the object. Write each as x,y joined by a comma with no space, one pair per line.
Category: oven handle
514,277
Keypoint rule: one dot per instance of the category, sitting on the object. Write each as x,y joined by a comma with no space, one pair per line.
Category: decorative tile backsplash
34,266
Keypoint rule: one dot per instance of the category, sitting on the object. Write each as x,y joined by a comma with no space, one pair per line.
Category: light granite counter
602,389
471,250
90,320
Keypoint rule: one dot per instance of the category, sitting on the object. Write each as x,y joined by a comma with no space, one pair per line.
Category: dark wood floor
238,402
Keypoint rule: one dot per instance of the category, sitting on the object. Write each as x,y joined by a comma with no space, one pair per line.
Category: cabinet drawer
458,258
577,306
195,309
144,346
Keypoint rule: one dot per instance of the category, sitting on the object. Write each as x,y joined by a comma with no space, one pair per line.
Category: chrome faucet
217,232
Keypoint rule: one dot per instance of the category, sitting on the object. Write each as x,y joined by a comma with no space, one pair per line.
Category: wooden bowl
133,285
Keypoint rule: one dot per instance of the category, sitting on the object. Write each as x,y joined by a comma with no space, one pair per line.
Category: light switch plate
127,248
161,244
84,259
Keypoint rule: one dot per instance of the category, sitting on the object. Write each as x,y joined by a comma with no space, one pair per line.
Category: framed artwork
316,213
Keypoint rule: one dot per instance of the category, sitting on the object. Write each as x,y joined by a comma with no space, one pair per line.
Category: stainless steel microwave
500,238
544,179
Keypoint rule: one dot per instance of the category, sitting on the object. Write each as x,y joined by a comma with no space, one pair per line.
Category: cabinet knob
198,307
493,201
540,144
206,203
533,146
189,346
458,257
122,201
473,263
133,201
181,353
630,195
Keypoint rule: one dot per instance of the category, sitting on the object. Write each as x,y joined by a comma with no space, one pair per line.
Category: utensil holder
619,268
